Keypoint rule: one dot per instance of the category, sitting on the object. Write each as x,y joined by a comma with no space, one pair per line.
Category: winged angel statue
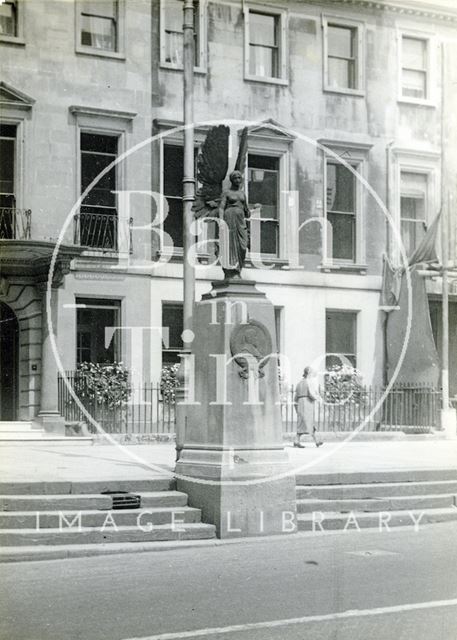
229,206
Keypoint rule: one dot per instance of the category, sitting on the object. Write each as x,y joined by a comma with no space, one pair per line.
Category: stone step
42,438
401,503
11,424
91,535
72,520
19,427
375,490
28,435
339,521
78,502
61,487
372,477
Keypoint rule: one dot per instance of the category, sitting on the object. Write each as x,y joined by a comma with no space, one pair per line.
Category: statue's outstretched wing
212,165
242,157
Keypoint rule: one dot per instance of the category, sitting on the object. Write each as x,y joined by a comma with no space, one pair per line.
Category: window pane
101,8
7,170
411,235
173,31
340,188
412,208
173,223
341,73
173,15
414,52
99,33
269,237
172,317
414,84
100,143
8,19
173,170
263,62
102,194
341,41
263,184
340,332
91,323
343,235
174,48
414,184
263,29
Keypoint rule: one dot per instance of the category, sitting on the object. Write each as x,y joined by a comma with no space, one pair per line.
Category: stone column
49,415
233,464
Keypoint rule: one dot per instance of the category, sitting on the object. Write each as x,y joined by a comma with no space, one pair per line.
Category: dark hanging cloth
420,364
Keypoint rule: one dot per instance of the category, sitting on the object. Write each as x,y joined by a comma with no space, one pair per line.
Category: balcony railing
103,232
15,224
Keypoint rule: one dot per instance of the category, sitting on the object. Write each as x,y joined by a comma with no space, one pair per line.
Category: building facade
351,146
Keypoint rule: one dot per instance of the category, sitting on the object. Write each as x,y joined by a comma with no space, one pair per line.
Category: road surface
354,585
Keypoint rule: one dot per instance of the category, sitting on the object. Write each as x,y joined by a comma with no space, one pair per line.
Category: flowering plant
169,382
343,383
104,384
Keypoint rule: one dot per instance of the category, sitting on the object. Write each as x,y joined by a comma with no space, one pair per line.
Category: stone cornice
32,259
428,10
79,110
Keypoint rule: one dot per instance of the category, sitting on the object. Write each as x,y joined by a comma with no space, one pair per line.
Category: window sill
265,80
177,255
341,267
99,53
357,93
176,67
418,103
268,260
105,255
13,40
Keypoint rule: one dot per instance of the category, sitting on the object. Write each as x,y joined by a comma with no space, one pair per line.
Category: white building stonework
372,83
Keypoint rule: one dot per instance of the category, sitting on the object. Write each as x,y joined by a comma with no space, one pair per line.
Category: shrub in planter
343,385
169,382
103,384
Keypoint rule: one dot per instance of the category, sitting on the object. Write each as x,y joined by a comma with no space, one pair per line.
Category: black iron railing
148,409
408,408
103,231
15,224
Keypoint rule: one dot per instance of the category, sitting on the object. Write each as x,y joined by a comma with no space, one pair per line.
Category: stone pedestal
233,464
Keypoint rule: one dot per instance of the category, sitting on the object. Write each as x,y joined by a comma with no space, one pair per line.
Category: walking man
306,395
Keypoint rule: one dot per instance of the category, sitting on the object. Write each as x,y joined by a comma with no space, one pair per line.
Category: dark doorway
9,343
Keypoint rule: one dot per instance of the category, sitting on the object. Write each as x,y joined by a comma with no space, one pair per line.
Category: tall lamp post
189,173
188,199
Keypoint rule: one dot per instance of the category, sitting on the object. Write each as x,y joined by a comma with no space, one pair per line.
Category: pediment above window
272,130
11,97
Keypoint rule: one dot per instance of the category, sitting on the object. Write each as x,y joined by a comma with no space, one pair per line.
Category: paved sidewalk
41,462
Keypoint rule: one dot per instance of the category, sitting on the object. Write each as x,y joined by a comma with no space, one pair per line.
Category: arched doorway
9,351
